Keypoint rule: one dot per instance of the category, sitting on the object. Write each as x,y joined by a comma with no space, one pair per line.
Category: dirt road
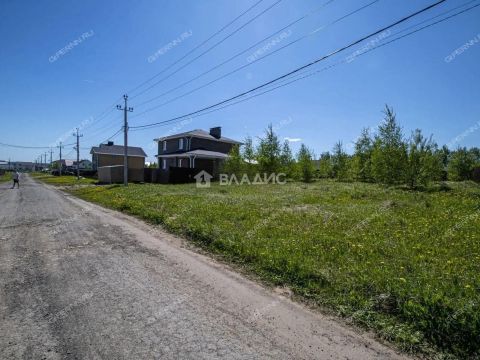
81,282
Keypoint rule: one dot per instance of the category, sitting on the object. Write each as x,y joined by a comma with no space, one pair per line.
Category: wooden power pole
78,153
125,110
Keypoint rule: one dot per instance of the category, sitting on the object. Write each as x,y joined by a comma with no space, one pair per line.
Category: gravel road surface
81,282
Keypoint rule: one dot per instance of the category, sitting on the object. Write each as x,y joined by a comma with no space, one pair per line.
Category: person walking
15,177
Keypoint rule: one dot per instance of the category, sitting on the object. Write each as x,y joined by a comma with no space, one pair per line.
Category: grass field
5,177
64,180
405,264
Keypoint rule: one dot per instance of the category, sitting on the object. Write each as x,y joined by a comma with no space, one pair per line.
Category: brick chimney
216,132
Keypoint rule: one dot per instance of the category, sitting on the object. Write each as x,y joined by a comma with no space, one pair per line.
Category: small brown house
107,159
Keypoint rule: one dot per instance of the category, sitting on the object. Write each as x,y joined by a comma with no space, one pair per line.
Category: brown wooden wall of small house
134,162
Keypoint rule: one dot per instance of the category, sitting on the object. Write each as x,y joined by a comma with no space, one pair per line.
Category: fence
175,175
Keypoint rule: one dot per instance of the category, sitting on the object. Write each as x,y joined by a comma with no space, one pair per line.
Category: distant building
64,162
17,165
107,159
84,165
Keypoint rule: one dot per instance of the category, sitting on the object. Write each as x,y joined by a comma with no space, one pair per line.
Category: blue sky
45,96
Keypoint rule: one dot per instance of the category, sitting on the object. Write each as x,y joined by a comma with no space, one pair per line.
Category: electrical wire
207,50
196,47
29,147
345,60
241,52
105,113
314,32
322,58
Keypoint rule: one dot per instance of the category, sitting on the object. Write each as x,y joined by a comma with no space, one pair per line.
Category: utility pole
78,153
51,152
46,158
126,110
60,164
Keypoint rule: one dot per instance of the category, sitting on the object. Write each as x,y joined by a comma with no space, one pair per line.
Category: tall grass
406,264
64,180
5,177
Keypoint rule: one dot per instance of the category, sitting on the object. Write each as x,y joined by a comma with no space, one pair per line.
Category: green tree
461,165
248,152
287,162
423,161
249,156
339,162
444,154
268,153
234,164
389,153
475,153
362,158
305,164
325,165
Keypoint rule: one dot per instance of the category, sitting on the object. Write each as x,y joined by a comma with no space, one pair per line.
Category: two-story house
196,149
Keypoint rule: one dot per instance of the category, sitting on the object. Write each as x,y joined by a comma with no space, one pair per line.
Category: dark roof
199,133
117,150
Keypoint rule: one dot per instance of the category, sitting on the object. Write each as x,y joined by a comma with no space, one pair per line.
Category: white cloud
289,139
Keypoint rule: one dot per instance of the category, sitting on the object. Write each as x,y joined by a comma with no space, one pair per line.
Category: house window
164,164
179,162
180,143
164,146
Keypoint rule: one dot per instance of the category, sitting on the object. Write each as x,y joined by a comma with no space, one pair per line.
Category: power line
112,107
100,131
345,60
246,65
114,135
301,76
27,147
207,50
105,113
322,58
196,47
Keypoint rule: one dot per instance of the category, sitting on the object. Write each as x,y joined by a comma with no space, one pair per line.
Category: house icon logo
203,179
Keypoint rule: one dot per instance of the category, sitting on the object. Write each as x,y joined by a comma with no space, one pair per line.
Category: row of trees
388,157
270,156
384,157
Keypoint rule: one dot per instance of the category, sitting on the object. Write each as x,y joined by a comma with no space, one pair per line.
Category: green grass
405,264
64,180
5,177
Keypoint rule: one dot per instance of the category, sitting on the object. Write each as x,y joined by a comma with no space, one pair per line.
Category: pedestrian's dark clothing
15,180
